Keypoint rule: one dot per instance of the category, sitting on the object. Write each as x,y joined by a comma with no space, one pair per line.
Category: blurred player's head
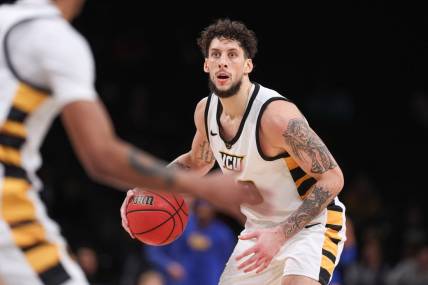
69,8
228,47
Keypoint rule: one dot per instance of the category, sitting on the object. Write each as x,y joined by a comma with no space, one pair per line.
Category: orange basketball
157,218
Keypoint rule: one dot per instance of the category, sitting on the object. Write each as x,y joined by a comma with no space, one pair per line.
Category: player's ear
206,69
248,66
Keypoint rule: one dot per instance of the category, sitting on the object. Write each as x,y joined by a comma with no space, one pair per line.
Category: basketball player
46,68
295,237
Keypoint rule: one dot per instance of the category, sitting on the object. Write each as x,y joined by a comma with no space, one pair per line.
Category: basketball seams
151,210
178,203
176,210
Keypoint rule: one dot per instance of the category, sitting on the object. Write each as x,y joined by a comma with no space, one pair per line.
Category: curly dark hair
232,30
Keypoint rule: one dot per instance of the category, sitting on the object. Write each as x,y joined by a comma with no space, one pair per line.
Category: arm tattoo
179,165
205,153
152,169
303,139
310,208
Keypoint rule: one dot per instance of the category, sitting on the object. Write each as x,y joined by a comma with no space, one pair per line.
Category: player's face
226,65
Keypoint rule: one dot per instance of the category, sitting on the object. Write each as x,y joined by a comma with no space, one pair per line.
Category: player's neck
234,106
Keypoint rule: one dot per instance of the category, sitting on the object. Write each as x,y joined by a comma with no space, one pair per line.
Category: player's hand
269,242
131,193
226,194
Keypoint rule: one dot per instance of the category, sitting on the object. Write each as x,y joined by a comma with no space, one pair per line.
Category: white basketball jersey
286,183
35,86
44,65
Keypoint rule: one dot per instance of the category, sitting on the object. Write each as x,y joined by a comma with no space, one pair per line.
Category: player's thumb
249,235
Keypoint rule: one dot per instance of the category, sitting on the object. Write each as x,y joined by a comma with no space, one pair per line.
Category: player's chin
223,85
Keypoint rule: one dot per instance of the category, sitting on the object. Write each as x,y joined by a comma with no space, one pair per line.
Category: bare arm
105,157
286,127
200,158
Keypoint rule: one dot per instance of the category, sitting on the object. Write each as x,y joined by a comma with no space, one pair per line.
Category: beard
233,90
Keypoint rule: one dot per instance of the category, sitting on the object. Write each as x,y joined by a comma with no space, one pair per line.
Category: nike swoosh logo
310,226
213,134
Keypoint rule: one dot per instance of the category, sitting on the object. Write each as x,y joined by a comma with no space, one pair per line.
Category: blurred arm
105,157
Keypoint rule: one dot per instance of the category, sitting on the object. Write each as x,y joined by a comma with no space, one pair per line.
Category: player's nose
222,61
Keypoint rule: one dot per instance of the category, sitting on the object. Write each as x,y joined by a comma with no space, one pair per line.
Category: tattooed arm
283,128
288,130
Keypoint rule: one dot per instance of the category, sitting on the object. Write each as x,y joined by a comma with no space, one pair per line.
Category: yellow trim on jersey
27,98
29,234
331,237
335,218
290,162
17,208
15,186
327,264
329,245
43,257
301,180
10,155
14,128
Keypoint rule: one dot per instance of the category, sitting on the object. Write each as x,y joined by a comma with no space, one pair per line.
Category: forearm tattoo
303,140
153,169
310,208
205,152
179,165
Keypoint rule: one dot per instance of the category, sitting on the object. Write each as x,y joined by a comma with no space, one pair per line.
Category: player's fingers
123,208
257,264
126,227
249,261
129,195
249,251
250,235
264,266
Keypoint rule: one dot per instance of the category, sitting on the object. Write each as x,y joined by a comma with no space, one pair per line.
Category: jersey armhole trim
9,60
207,108
259,148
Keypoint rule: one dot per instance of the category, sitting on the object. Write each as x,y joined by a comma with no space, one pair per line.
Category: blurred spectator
348,257
371,269
411,271
362,200
88,261
414,232
200,254
134,265
150,278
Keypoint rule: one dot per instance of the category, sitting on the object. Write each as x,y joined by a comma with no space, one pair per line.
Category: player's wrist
280,233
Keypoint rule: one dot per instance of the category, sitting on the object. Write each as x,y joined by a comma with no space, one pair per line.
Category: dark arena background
357,70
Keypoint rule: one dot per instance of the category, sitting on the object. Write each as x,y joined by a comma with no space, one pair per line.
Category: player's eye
215,54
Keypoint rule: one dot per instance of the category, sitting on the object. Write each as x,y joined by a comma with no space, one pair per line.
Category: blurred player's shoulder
42,23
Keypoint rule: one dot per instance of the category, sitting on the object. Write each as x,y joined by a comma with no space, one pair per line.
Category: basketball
157,218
